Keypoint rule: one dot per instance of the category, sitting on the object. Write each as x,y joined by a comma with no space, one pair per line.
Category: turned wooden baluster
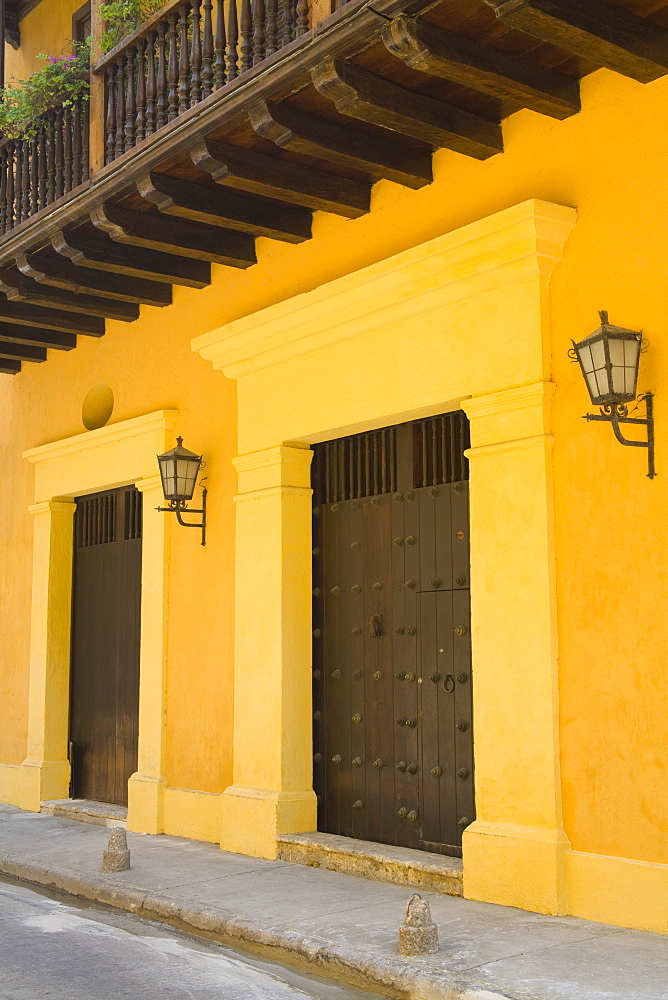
286,22
161,103
3,190
111,113
195,56
130,101
184,59
26,194
59,152
34,193
120,105
301,23
41,167
220,46
258,31
76,144
85,161
246,25
151,86
18,179
30,167
270,39
51,159
67,141
9,211
173,72
23,201
140,118
207,50
232,39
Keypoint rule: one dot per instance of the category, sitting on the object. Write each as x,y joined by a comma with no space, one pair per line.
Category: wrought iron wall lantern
179,469
609,359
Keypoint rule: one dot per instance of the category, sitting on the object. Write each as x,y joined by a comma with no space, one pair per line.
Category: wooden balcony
219,132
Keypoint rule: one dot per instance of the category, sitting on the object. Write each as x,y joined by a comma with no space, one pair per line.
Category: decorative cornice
513,245
509,399
58,505
160,420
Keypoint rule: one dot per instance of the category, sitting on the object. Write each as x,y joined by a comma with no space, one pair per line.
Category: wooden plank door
393,751
104,698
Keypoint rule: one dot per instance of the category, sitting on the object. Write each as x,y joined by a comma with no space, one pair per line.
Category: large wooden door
393,750
104,701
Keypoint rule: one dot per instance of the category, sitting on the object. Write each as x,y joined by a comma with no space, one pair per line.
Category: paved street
54,948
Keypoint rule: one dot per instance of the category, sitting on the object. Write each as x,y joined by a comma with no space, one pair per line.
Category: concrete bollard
418,935
116,858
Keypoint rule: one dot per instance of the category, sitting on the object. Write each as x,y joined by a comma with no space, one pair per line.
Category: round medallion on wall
97,407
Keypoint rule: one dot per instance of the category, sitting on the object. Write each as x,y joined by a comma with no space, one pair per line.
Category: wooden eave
370,93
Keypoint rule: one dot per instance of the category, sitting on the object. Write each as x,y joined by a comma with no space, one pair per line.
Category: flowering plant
123,16
58,84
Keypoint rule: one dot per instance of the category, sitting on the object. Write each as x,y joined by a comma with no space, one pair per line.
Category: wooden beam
175,236
105,255
8,367
255,173
210,205
40,338
59,273
28,315
307,134
21,289
442,53
25,351
359,94
601,32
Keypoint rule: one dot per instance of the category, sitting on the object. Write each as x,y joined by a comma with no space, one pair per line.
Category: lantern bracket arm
179,508
616,417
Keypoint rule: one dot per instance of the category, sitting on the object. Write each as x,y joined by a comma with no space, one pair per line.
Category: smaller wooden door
104,699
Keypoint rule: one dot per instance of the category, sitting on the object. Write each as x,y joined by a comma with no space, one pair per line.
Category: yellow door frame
461,320
111,456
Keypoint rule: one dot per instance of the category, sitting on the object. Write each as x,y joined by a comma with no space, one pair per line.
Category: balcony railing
177,59
36,172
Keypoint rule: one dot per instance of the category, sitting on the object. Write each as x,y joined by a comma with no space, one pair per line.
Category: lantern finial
603,314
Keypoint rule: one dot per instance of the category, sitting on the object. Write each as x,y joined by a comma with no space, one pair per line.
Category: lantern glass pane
586,359
631,359
186,476
592,385
624,354
167,476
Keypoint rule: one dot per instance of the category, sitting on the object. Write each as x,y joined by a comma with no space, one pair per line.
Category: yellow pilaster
272,792
46,770
515,852
146,785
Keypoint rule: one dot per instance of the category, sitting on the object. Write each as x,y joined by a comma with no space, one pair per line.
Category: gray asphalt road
53,947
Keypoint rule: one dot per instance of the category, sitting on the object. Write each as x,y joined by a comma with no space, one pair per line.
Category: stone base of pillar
516,866
145,793
253,818
42,780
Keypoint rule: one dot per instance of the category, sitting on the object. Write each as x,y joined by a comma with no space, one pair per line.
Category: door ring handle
449,683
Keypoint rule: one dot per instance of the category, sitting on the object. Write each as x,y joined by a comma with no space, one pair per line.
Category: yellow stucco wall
149,366
47,29
609,163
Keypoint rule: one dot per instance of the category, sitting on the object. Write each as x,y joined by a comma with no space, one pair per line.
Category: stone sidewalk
338,925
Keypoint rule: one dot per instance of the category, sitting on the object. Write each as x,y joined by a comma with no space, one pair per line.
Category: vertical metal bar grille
96,520
133,512
359,466
439,444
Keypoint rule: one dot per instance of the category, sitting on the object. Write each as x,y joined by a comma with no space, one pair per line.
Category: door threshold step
379,862
87,811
